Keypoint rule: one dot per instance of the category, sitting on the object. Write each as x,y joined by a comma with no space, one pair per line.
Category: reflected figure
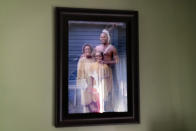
91,95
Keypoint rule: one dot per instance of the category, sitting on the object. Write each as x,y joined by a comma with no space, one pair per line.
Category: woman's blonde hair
107,33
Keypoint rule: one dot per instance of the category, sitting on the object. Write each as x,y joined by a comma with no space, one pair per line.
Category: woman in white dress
102,76
83,67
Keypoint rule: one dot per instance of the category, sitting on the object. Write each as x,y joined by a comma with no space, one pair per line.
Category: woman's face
98,56
103,38
87,51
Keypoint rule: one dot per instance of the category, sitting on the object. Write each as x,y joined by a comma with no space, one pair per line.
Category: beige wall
167,64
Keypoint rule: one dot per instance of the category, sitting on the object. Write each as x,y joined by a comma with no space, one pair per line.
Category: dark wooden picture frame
62,68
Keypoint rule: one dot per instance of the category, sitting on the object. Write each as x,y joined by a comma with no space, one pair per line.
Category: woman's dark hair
85,45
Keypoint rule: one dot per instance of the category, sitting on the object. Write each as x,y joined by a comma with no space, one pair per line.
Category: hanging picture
97,75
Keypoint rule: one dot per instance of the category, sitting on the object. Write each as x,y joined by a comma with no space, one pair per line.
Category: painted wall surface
167,64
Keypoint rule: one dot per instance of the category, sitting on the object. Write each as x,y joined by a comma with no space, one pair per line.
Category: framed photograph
97,72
